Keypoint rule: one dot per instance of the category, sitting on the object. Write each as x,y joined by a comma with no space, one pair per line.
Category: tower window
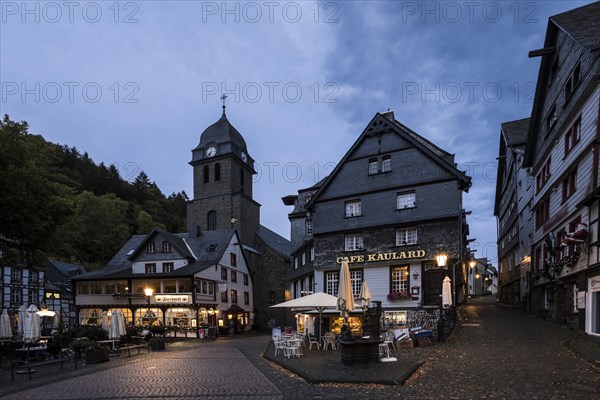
206,174
211,221
217,172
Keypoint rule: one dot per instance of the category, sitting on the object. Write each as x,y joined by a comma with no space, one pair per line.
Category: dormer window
233,259
166,247
150,268
168,267
151,247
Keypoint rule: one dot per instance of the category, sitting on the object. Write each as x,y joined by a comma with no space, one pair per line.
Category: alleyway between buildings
495,353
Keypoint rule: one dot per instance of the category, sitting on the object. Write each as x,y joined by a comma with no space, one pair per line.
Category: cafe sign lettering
374,257
180,298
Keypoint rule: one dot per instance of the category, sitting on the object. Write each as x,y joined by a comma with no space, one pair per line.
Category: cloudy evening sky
136,82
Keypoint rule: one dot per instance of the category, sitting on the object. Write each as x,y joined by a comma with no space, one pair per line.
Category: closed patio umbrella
365,294
5,328
105,325
446,293
345,296
121,324
56,322
33,328
22,316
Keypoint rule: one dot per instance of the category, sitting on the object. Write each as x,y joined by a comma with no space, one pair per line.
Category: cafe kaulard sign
374,257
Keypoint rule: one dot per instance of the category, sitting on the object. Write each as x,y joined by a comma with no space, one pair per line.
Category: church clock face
244,157
211,152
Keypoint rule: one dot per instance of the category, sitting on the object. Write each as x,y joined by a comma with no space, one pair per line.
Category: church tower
223,171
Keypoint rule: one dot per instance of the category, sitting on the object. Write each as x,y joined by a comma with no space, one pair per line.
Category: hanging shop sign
222,287
374,257
169,298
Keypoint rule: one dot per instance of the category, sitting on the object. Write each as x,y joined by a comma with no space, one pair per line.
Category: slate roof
515,132
67,269
208,249
582,24
278,243
176,242
222,132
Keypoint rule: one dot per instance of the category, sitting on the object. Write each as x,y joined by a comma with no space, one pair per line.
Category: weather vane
223,98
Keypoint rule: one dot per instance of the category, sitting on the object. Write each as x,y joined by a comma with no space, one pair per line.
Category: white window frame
354,242
405,200
353,209
400,278
303,258
356,278
151,247
406,236
150,268
295,262
16,295
16,275
373,166
386,164
332,280
168,264
312,253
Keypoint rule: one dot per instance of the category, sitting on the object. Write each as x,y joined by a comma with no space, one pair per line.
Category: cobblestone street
496,353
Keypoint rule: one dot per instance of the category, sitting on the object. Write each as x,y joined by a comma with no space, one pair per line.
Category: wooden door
432,286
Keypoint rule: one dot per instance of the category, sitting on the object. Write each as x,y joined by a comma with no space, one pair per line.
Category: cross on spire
223,98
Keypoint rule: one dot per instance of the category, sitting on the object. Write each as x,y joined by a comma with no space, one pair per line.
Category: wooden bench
129,347
28,364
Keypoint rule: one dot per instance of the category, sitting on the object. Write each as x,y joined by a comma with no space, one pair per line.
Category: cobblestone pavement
494,354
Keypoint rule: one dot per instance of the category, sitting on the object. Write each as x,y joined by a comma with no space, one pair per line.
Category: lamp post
148,292
441,324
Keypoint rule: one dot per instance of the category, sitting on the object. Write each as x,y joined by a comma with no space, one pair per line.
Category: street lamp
441,324
148,292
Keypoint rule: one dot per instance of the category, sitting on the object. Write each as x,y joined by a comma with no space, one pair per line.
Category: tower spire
223,98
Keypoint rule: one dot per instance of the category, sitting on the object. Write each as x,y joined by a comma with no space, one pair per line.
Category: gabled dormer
160,252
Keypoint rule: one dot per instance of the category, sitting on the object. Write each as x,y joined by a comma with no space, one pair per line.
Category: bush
158,330
91,332
83,345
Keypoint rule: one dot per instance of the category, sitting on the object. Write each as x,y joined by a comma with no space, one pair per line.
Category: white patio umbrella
5,328
318,301
446,293
21,316
365,294
56,322
105,325
345,297
33,324
121,323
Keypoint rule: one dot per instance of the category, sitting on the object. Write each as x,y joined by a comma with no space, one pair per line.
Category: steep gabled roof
515,132
276,242
208,248
67,269
381,122
176,242
582,25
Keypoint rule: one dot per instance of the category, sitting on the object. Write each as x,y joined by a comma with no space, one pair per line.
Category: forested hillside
55,201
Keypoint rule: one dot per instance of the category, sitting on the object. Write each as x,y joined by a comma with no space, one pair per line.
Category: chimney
194,231
389,114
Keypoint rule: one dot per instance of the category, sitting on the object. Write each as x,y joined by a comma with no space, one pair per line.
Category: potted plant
94,353
402,295
157,343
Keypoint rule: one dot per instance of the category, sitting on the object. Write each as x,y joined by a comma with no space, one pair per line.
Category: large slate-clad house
391,205
562,150
227,264
512,208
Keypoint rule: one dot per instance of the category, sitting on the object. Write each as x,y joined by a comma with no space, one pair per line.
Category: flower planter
157,344
96,356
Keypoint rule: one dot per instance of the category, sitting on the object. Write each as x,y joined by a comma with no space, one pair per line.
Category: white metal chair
388,338
279,344
313,340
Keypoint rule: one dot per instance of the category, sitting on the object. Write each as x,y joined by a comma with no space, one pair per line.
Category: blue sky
136,82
